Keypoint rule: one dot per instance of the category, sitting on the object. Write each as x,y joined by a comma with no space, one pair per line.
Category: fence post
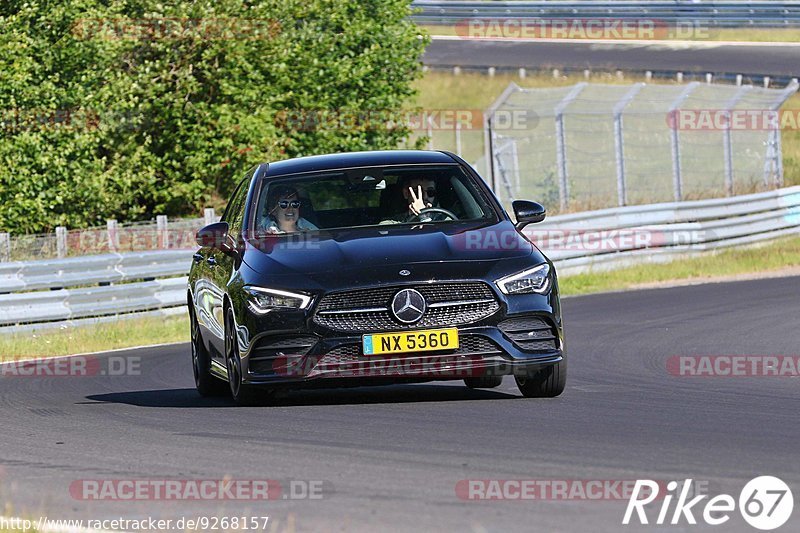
61,241
770,169
510,145
209,216
515,161
5,247
113,236
774,148
778,157
677,179
458,138
488,138
429,131
489,134
161,228
561,144
622,193
727,148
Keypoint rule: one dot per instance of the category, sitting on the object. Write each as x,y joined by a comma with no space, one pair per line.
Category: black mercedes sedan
372,268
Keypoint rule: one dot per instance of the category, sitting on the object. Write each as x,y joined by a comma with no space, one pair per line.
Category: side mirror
528,212
215,236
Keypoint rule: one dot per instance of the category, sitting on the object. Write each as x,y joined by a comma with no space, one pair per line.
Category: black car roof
356,159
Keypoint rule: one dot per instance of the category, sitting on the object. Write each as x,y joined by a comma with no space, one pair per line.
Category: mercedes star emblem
408,306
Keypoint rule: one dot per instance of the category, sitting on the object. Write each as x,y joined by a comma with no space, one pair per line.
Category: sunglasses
284,204
430,191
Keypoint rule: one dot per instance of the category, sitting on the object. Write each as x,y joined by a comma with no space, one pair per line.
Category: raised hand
417,203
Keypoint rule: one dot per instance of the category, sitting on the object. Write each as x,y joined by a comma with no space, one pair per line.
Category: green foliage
103,116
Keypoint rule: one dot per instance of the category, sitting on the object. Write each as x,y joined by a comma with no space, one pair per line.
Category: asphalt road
702,57
391,457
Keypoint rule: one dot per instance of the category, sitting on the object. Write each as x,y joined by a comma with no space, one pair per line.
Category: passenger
284,212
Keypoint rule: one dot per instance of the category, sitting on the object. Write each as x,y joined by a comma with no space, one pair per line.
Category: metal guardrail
679,212
766,14
92,269
68,304
48,293
624,236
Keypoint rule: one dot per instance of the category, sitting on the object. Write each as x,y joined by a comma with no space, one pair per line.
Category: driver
419,193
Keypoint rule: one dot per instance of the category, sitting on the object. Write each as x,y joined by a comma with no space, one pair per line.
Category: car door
219,267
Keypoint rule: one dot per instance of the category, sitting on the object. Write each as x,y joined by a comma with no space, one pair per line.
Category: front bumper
484,351
289,347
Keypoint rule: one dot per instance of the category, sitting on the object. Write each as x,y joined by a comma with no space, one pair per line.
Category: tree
140,108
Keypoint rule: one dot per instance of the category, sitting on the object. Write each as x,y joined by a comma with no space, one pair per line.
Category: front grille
268,349
366,310
343,357
476,344
530,333
345,351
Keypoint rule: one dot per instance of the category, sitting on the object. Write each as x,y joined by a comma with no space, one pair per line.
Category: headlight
262,300
536,279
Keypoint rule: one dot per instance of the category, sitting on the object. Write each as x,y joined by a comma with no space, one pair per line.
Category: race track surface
704,57
392,457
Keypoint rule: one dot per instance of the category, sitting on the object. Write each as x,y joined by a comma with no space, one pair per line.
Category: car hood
372,253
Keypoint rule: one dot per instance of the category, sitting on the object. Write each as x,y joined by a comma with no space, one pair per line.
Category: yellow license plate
410,341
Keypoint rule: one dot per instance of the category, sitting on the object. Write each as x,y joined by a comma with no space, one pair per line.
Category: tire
206,384
486,382
241,393
548,382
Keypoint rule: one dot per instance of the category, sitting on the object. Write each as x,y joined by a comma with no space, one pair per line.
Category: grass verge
95,337
778,255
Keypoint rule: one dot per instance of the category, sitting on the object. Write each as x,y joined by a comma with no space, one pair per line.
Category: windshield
369,196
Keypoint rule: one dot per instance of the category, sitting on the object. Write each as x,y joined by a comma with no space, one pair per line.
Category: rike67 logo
766,503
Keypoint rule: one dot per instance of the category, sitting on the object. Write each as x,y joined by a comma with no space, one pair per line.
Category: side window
234,213
237,213
232,204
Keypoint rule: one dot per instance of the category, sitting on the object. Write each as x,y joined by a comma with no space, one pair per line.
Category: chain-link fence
592,146
161,234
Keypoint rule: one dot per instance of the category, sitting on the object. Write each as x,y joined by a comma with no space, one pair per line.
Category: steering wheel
439,210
